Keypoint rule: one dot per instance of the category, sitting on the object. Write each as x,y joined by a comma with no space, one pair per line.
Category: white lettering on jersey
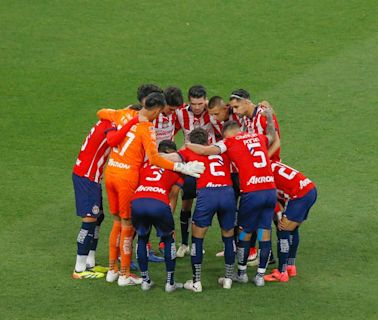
304,183
142,188
257,180
113,163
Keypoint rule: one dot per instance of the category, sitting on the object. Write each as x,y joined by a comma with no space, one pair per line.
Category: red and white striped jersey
94,152
187,121
258,125
165,127
218,125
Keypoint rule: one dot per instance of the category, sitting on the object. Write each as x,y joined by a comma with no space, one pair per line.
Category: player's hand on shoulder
192,168
266,106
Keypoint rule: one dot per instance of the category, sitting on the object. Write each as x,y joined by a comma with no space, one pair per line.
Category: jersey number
281,171
157,174
257,153
216,164
131,137
87,138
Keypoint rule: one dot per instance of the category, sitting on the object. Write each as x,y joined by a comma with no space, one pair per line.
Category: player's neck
251,110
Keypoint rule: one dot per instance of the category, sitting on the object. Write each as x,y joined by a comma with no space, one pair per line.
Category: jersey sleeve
264,139
149,144
221,145
106,114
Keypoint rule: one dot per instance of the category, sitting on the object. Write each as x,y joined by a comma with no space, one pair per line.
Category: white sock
80,265
91,259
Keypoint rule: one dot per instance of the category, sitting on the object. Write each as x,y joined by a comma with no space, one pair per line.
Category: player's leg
226,217
189,193
294,244
165,226
126,189
87,207
115,233
268,200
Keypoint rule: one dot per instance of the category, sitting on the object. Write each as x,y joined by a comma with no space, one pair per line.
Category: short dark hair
136,107
197,91
230,125
155,100
199,136
145,89
167,145
173,96
215,102
239,94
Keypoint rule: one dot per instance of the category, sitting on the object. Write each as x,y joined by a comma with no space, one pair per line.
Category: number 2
215,164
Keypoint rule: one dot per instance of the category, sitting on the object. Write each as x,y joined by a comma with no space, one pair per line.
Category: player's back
126,159
249,153
94,152
290,182
217,169
156,183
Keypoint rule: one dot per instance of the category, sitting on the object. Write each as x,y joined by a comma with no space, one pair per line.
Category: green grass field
316,61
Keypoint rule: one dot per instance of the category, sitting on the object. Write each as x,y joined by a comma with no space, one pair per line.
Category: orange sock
114,241
126,247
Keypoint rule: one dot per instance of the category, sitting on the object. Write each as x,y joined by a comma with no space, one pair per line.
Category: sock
283,246
184,222
243,252
170,258
265,248
229,255
294,243
114,240
126,248
253,239
91,260
196,258
84,240
143,257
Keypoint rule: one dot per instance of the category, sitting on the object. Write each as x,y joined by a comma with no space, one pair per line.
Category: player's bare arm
203,150
271,133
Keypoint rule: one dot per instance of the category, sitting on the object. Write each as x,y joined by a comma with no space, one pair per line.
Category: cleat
161,248
134,266
252,254
193,286
291,270
241,278
154,258
182,251
145,286
112,276
87,275
173,287
259,280
98,268
253,263
226,283
130,280
220,254
277,276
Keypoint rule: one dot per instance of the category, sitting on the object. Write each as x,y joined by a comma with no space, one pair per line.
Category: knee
228,233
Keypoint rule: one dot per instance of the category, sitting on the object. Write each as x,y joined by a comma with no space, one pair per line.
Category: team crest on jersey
95,210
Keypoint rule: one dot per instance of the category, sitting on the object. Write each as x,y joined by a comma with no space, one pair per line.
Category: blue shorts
256,210
189,188
220,200
297,209
147,212
88,197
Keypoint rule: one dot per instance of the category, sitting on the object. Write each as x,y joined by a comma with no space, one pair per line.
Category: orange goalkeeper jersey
126,159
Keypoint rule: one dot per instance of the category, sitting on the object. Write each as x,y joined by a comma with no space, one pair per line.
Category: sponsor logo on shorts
258,180
113,163
95,210
151,189
304,183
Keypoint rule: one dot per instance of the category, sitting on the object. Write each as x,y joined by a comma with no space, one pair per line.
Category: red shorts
120,191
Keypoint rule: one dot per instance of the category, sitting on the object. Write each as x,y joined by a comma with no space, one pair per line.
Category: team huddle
230,163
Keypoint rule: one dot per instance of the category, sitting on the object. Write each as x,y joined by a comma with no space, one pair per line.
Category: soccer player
299,195
249,152
86,176
122,175
192,116
215,195
254,121
150,207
